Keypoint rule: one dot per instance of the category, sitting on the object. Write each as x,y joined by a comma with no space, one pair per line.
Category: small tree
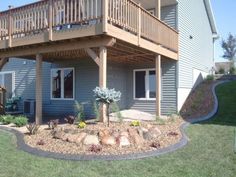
106,96
229,48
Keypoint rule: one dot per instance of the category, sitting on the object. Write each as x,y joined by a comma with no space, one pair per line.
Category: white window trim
146,84
62,85
13,80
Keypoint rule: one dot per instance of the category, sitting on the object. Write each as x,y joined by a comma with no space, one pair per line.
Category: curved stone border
184,140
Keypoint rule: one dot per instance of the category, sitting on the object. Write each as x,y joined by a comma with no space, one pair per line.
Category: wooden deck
50,22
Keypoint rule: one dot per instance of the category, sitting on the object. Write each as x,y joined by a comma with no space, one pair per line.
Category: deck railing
49,15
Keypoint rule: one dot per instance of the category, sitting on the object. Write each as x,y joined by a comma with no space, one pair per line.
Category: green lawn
209,153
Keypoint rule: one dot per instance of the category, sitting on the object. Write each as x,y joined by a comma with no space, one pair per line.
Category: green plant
96,110
32,128
70,119
20,121
79,112
221,71
81,125
115,108
135,123
52,124
160,121
232,70
7,119
106,96
209,77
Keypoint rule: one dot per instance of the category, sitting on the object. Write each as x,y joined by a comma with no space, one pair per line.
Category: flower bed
96,138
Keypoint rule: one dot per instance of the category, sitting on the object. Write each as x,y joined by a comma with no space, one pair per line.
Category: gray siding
120,77
195,53
169,15
168,90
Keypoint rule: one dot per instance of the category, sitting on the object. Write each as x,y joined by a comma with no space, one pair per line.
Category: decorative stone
141,131
72,138
108,140
154,132
123,141
91,140
126,134
138,140
104,133
80,137
58,134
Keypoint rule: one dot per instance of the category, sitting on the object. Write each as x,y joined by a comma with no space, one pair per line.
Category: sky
224,11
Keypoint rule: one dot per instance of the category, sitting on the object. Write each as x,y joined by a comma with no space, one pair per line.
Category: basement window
62,84
145,84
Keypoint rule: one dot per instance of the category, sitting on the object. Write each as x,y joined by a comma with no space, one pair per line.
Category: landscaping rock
153,132
104,133
123,141
58,134
108,140
71,138
138,140
124,133
91,140
81,137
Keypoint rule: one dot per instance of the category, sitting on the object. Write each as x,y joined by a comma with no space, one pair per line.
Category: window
62,83
145,84
7,80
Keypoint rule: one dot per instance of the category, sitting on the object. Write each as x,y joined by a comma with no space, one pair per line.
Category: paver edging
21,145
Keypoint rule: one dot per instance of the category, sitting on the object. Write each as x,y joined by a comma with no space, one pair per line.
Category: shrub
232,70
53,123
70,119
135,123
209,77
20,121
82,125
115,108
221,70
6,119
106,96
32,128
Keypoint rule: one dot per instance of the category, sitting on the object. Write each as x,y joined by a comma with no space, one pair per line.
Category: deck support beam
158,85
38,90
3,61
103,79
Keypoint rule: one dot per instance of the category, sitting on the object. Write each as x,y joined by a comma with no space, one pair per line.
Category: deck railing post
50,20
10,27
104,15
139,23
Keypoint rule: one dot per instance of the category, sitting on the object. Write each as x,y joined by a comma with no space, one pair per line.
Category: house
223,67
154,52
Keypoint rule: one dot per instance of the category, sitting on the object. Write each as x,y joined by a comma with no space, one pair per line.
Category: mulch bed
200,101
170,134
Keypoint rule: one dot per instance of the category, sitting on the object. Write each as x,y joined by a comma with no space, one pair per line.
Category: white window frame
13,80
62,84
147,91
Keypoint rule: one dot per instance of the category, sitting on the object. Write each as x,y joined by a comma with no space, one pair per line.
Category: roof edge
211,18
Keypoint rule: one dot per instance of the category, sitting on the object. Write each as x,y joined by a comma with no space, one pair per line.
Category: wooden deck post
158,9
158,85
10,27
104,15
38,90
50,20
139,23
103,79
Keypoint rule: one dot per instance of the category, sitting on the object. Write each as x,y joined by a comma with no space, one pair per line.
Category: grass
210,152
